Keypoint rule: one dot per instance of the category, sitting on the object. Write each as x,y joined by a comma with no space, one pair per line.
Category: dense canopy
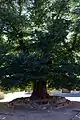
40,43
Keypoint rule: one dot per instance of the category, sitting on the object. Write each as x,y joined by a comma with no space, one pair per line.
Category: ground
71,112
68,113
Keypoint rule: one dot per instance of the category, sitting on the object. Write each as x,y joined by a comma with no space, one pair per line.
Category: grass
14,89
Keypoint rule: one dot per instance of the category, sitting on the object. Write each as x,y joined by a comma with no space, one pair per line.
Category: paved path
73,96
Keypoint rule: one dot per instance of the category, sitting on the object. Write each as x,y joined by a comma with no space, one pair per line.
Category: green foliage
50,32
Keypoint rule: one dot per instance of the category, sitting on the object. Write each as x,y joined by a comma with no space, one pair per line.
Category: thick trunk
39,90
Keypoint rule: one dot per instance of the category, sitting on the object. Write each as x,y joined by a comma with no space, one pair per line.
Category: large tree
36,44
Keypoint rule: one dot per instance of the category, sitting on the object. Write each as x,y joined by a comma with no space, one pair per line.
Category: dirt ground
72,112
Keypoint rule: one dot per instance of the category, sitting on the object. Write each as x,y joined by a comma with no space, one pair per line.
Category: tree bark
39,90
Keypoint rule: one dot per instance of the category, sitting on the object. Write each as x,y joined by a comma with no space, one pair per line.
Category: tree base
37,96
39,90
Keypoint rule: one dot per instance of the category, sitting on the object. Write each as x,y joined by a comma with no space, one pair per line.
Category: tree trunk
39,90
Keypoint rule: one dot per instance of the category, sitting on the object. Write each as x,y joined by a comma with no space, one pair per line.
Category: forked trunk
39,90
